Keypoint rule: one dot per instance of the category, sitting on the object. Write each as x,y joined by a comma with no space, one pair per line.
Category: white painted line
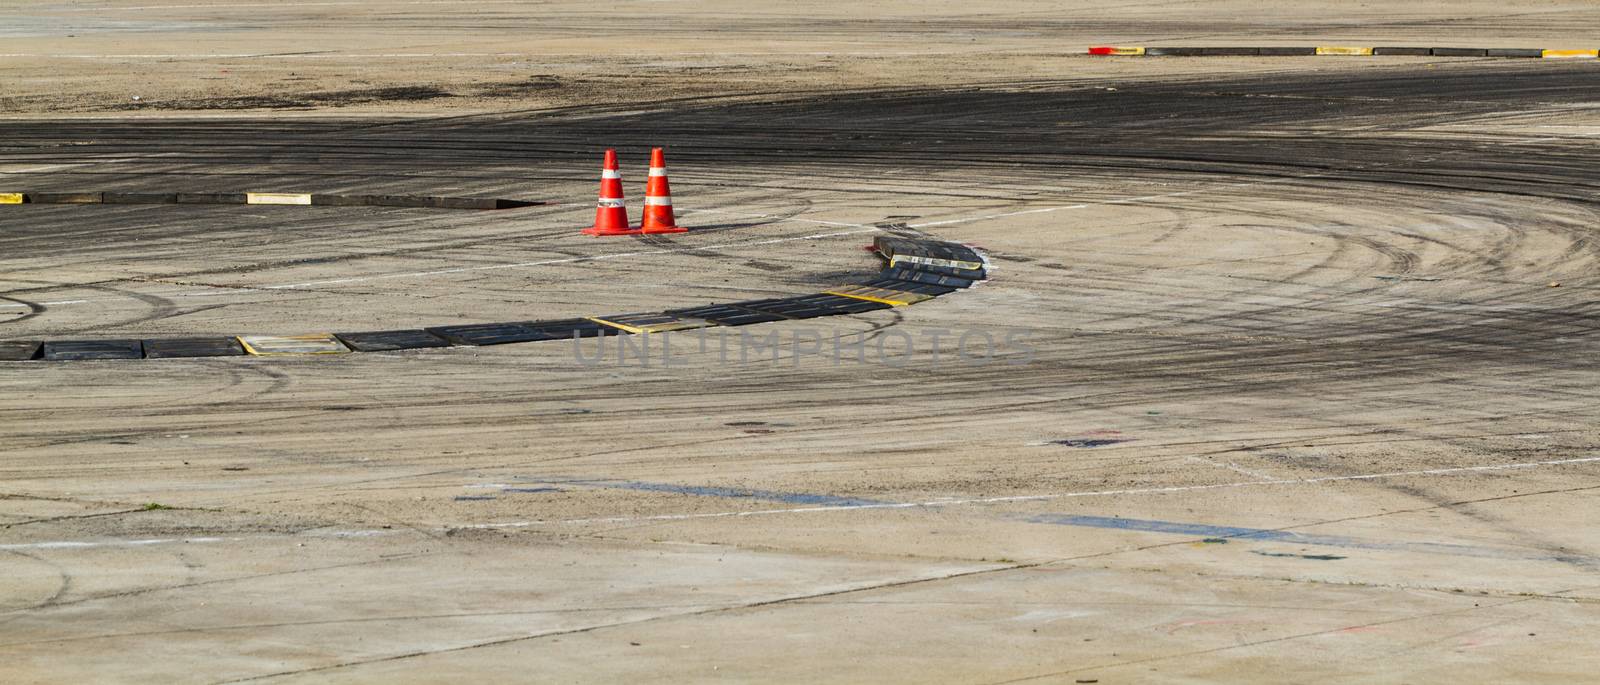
1573,136
108,543
1049,496
48,167
277,198
1229,466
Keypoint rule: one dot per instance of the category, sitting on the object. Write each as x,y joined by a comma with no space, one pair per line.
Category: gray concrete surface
1309,393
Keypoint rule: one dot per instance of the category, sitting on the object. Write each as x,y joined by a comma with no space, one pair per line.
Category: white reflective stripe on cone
658,171
659,201
607,173
607,202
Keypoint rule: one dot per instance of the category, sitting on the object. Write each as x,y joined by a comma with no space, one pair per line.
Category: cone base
599,231
663,229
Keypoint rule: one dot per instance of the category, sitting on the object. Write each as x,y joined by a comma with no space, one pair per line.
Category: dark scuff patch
1313,557
1088,442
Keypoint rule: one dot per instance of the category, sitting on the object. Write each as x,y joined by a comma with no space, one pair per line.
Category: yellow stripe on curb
651,323
1570,54
11,198
898,298
1344,51
1128,52
277,198
285,345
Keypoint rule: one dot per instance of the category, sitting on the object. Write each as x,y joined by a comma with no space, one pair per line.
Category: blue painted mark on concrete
1267,535
472,498
739,493
531,490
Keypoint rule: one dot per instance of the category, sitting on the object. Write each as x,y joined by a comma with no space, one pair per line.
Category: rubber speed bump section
139,198
277,198
480,334
805,307
12,198
292,345
658,322
172,348
1569,54
891,246
1459,52
950,266
1343,51
66,198
915,264
86,350
1408,52
1174,52
920,276
18,350
431,202
1230,52
342,200
1116,51
928,289
388,341
1513,52
1287,52
567,329
211,198
839,304
726,315
898,298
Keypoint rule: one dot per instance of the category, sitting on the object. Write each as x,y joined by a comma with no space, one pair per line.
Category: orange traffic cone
658,199
611,216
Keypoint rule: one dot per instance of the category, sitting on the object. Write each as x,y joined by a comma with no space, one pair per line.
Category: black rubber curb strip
312,199
917,270
1342,51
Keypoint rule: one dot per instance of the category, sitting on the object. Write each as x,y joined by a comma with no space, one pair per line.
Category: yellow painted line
11,198
277,198
661,327
1344,51
1128,52
283,345
933,261
1570,54
898,298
